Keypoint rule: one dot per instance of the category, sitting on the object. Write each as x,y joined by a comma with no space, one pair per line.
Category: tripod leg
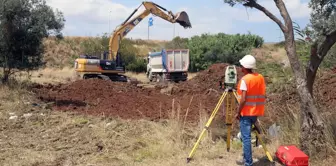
263,145
229,110
236,95
206,126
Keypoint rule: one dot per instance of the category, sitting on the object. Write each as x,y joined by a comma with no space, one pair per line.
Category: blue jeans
246,123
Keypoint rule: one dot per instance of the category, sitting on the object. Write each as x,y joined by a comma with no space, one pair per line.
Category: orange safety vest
255,95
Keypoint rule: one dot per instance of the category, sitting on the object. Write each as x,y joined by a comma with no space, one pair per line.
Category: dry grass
139,76
60,138
49,75
271,53
191,75
62,53
39,136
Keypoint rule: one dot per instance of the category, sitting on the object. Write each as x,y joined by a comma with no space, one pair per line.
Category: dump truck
168,65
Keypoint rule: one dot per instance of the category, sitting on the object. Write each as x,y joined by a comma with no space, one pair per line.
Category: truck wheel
162,78
158,78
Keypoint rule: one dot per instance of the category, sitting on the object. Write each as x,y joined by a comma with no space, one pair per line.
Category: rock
273,130
168,90
27,115
108,124
35,105
13,117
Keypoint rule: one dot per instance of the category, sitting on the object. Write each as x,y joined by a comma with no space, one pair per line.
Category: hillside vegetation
204,49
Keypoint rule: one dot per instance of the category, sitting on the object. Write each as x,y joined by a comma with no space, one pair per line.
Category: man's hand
241,104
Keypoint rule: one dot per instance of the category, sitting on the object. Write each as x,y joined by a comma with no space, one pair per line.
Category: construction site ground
137,101
98,122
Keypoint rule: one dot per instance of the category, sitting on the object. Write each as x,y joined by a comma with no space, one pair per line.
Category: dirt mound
206,81
99,97
129,101
325,89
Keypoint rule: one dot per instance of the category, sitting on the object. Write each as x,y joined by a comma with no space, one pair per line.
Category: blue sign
150,21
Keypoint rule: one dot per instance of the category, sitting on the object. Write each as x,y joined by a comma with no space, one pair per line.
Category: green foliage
278,77
92,46
178,43
23,25
130,54
330,60
138,65
206,49
303,46
322,23
323,17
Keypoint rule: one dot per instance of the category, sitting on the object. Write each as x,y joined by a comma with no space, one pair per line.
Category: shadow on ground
265,162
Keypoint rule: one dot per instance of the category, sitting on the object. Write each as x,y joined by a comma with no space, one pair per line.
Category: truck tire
161,78
158,78
150,76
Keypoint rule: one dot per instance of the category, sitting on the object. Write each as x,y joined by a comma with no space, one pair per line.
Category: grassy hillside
62,53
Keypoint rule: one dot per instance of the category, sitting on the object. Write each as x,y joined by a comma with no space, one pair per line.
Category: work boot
240,162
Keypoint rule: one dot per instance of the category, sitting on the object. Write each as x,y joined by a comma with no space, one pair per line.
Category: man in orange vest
251,90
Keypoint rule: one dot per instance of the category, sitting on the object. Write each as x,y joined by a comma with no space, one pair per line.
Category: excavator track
114,77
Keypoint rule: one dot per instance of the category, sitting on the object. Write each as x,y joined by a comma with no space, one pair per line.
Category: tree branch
328,42
317,54
283,11
254,4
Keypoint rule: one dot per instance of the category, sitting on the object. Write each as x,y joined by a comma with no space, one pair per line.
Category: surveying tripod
231,96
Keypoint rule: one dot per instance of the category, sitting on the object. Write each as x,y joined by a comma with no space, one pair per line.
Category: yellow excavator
110,67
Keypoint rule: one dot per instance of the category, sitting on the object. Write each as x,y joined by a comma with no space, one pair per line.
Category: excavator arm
150,7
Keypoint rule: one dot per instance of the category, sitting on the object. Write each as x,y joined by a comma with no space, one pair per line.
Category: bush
205,49
138,65
330,59
208,49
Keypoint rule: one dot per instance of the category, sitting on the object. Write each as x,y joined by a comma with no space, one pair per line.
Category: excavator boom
150,8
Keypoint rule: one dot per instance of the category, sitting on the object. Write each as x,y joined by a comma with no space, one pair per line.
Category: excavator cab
183,19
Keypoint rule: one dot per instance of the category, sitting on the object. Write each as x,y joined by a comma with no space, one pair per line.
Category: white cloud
93,10
296,9
92,17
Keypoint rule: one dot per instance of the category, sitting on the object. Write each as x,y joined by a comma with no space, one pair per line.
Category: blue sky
95,17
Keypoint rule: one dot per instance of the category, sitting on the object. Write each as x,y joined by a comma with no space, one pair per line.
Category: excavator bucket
183,19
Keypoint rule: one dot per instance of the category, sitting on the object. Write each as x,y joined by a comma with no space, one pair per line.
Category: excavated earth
130,101
186,100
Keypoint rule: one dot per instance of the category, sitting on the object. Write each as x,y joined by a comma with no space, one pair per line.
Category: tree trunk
312,67
317,54
5,76
312,138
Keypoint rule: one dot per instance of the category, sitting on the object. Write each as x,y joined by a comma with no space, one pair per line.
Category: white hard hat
248,62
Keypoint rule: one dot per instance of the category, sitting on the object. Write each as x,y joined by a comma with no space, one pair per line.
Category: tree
323,24
23,25
312,137
178,43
